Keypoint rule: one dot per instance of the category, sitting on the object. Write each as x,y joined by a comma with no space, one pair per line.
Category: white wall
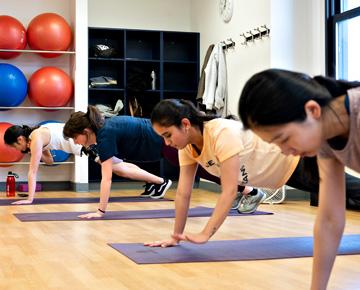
243,61
140,14
297,38
298,35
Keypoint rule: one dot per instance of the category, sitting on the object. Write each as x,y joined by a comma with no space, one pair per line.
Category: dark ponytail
170,112
13,132
335,87
79,121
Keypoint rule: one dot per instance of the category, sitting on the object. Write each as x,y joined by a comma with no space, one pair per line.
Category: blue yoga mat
69,200
233,250
123,215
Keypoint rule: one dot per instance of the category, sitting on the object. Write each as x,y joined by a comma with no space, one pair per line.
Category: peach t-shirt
261,164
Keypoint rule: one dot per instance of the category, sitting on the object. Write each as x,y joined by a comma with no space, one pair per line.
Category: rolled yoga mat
123,215
66,200
233,250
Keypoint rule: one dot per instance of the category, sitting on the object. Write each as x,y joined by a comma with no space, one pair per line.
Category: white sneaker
249,203
236,202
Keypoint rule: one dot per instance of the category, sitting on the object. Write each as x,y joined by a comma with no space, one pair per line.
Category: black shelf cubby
172,55
107,97
181,46
114,38
106,68
180,76
143,45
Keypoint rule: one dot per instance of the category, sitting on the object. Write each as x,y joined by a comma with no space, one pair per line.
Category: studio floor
75,255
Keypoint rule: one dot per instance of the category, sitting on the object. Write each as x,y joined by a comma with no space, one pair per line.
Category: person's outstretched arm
182,202
105,186
36,153
330,221
230,169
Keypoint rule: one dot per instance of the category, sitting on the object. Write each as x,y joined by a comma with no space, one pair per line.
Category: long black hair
12,133
170,112
79,121
275,96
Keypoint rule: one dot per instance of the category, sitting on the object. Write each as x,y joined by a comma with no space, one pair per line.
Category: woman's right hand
164,243
91,215
22,201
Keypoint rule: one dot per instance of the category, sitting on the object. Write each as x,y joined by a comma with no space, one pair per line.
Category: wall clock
226,9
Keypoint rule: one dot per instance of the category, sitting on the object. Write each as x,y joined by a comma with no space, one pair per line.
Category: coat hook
244,38
267,30
251,37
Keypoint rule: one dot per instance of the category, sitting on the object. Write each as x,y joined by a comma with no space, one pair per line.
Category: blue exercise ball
13,85
58,155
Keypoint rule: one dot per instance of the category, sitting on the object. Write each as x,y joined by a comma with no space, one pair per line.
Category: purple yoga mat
233,250
123,215
55,200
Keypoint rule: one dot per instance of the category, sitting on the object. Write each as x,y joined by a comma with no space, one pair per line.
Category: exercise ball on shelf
49,31
50,87
12,36
7,153
13,85
58,155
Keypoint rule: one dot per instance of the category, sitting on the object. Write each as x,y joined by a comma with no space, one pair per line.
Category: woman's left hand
91,215
200,238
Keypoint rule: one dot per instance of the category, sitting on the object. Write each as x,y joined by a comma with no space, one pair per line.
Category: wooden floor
75,255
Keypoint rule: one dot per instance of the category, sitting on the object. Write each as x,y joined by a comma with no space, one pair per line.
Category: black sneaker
160,189
149,189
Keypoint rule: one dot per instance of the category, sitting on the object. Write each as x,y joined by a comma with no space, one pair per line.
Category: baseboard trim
46,185
83,187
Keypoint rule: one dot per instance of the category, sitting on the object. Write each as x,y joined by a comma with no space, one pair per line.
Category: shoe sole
254,210
164,191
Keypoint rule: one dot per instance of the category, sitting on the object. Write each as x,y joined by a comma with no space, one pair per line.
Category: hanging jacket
215,93
201,86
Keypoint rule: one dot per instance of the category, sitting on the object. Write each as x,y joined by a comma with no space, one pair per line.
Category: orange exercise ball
49,31
7,153
50,87
12,36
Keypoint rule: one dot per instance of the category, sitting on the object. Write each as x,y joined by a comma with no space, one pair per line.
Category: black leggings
306,177
171,155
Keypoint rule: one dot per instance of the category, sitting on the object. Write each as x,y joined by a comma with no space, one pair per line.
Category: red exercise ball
50,87
49,31
7,153
12,36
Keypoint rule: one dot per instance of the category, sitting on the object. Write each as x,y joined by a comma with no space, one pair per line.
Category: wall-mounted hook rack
255,34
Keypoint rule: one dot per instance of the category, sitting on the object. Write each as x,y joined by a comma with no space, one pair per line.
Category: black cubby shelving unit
173,56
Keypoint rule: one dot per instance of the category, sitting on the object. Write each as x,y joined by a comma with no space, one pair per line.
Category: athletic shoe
160,189
149,190
249,203
236,202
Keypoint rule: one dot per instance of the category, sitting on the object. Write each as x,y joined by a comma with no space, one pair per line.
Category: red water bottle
10,184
